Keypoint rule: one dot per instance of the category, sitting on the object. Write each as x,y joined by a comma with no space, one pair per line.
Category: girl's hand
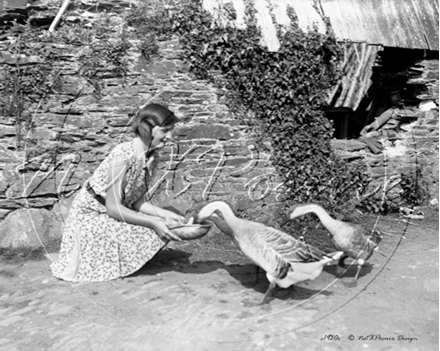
162,230
173,219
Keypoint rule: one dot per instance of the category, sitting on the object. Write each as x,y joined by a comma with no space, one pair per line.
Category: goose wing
287,247
264,255
362,243
245,236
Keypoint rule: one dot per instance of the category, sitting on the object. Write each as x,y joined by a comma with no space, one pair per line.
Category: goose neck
226,212
322,214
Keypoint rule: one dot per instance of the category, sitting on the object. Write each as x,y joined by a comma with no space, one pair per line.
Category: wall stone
25,227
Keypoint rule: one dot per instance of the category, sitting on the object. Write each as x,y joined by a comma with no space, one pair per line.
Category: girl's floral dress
96,247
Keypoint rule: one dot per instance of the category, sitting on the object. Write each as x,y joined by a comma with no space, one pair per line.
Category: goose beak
197,219
201,220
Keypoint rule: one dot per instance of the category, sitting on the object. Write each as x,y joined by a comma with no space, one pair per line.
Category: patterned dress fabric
96,247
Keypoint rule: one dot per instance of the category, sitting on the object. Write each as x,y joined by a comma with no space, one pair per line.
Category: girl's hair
150,116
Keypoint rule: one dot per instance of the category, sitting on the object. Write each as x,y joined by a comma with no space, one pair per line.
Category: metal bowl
191,231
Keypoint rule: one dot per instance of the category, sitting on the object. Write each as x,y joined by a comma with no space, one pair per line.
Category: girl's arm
170,218
116,210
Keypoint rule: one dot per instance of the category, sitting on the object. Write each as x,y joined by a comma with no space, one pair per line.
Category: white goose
285,259
354,240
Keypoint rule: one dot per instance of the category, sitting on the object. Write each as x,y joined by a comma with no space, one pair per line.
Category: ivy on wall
286,92
27,82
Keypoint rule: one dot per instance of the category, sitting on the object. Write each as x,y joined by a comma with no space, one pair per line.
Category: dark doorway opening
394,85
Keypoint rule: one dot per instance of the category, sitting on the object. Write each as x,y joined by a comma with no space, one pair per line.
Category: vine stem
16,100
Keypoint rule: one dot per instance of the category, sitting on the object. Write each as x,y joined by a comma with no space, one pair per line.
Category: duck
285,259
354,240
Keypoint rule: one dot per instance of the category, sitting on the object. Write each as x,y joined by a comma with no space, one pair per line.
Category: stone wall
213,155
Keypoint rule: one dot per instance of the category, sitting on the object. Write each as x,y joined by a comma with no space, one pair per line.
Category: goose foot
264,306
250,304
351,283
268,293
265,299
360,264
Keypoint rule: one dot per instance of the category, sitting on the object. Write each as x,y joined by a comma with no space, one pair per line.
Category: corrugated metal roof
411,24
357,66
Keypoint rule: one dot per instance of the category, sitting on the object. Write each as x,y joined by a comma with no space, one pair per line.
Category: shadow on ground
244,274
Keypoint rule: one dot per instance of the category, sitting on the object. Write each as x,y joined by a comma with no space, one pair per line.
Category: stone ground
192,296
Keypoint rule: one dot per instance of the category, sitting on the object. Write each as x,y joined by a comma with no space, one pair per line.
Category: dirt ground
192,296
